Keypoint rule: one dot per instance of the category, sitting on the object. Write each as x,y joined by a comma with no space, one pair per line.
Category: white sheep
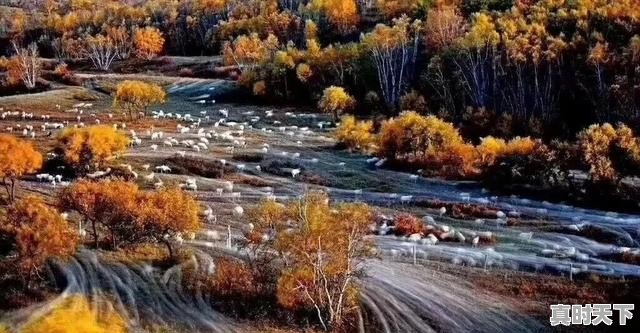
295,173
238,211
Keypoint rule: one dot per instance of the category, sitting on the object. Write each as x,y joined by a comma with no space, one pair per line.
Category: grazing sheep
150,177
238,211
442,211
295,173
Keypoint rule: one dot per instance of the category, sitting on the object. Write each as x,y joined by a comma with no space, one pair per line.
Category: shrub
260,88
249,158
528,162
356,135
413,101
412,137
76,315
610,153
407,224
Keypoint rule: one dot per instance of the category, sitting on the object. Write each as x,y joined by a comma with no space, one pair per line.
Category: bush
413,101
525,161
427,142
355,135
610,153
407,224
412,137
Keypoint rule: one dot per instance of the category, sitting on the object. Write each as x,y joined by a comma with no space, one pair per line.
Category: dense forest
524,67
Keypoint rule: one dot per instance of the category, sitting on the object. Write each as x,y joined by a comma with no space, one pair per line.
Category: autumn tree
100,49
85,318
90,147
323,248
121,39
342,14
149,42
105,205
443,27
168,213
247,52
17,158
135,96
39,233
25,66
335,100
394,51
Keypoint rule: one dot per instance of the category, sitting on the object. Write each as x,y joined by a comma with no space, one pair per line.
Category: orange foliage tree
168,213
39,233
129,215
335,100
76,315
90,147
322,247
443,27
25,66
17,158
135,96
108,205
149,42
343,14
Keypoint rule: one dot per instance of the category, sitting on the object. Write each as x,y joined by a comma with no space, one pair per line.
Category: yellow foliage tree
335,100
247,52
427,142
90,147
323,247
39,233
135,96
304,72
343,14
611,153
149,42
355,134
76,315
17,158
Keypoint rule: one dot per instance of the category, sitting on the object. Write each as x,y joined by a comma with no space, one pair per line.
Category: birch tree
101,50
322,248
394,50
25,66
